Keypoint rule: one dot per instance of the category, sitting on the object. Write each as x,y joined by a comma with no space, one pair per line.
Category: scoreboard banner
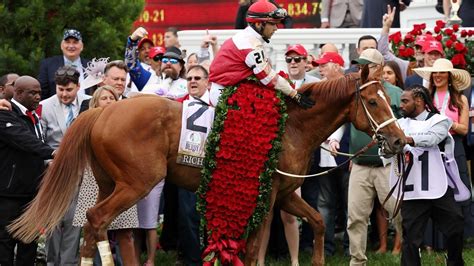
158,15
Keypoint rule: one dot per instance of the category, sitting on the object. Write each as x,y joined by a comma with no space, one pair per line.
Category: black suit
47,70
21,166
413,80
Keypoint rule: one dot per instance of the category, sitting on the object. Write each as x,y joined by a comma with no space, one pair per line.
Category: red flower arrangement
241,155
457,44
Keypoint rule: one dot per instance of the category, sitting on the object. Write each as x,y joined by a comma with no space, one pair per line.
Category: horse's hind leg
255,237
295,205
101,215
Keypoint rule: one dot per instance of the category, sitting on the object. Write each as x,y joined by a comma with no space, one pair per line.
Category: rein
373,124
355,155
402,174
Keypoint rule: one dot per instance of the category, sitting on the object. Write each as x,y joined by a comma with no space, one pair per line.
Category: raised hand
139,33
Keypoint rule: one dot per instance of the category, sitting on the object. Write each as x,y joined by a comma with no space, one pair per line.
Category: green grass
435,258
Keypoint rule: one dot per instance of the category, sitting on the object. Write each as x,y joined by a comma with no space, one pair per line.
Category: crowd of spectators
350,199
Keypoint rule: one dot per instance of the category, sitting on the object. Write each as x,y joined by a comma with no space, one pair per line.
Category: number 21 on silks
259,56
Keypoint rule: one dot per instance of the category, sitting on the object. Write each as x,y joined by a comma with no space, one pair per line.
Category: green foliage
32,30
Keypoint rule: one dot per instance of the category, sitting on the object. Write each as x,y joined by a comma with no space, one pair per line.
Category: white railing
309,38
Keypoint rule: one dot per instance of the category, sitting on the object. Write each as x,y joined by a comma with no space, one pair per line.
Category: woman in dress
124,223
446,84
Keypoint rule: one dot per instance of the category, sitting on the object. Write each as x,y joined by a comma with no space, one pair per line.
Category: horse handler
429,191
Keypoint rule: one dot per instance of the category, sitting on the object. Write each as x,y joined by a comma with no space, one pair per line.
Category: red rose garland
241,156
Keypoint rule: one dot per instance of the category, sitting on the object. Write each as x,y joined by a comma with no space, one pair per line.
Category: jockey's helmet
264,11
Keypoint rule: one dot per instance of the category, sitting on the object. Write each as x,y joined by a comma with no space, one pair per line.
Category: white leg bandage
105,253
87,261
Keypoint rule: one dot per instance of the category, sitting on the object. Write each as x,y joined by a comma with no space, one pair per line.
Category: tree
31,30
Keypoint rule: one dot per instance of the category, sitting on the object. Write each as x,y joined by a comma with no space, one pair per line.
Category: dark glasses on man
169,60
157,58
297,59
196,78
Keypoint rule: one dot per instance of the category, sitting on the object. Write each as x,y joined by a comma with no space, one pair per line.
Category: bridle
376,127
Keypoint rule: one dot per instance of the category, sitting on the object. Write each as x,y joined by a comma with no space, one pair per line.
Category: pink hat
297,48
330,57
433,45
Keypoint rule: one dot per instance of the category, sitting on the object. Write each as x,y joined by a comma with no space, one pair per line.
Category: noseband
373,124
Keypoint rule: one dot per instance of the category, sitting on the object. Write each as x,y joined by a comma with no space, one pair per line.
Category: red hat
330,57
433,45
421,39
297,48
143,41
156,50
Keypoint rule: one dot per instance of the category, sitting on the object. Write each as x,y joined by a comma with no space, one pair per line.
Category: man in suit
71,46
58,112
6,85
115,75
22,155
374,10
341,13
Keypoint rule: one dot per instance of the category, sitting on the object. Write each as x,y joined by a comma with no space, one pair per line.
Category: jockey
243,55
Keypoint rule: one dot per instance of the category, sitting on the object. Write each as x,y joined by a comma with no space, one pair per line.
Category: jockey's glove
303,100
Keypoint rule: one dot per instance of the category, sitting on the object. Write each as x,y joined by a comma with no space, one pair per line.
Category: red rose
459,47
440,24
455,27
429,33
458,60
396,37
453,38
408,39
439,37
470,33
409,52
463,33
437,29
449,43
448,32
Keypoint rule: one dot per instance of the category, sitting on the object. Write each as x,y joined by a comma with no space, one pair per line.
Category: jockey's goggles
167,60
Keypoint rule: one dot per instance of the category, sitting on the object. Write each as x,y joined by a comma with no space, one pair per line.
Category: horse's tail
60,183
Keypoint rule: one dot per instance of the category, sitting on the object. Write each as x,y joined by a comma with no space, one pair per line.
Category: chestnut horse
133,144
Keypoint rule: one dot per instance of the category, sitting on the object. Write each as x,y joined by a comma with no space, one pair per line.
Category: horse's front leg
295,205
255,237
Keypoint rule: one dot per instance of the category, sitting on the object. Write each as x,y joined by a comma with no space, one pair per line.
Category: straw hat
461,78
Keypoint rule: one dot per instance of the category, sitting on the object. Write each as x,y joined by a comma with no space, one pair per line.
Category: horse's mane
331,90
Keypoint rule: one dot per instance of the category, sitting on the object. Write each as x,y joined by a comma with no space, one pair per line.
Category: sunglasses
196,78
169,60
157,58
68,72
297,59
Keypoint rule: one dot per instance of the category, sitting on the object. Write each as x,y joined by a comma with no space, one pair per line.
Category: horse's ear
364,74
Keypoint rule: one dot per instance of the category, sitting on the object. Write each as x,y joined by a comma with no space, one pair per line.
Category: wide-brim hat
94,72
461,78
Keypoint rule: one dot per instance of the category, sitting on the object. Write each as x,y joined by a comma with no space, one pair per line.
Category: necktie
31,116
70,115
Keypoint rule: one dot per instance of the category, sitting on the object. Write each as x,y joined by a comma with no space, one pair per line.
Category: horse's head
371,113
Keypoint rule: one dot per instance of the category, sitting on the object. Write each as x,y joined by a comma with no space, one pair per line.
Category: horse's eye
373,102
